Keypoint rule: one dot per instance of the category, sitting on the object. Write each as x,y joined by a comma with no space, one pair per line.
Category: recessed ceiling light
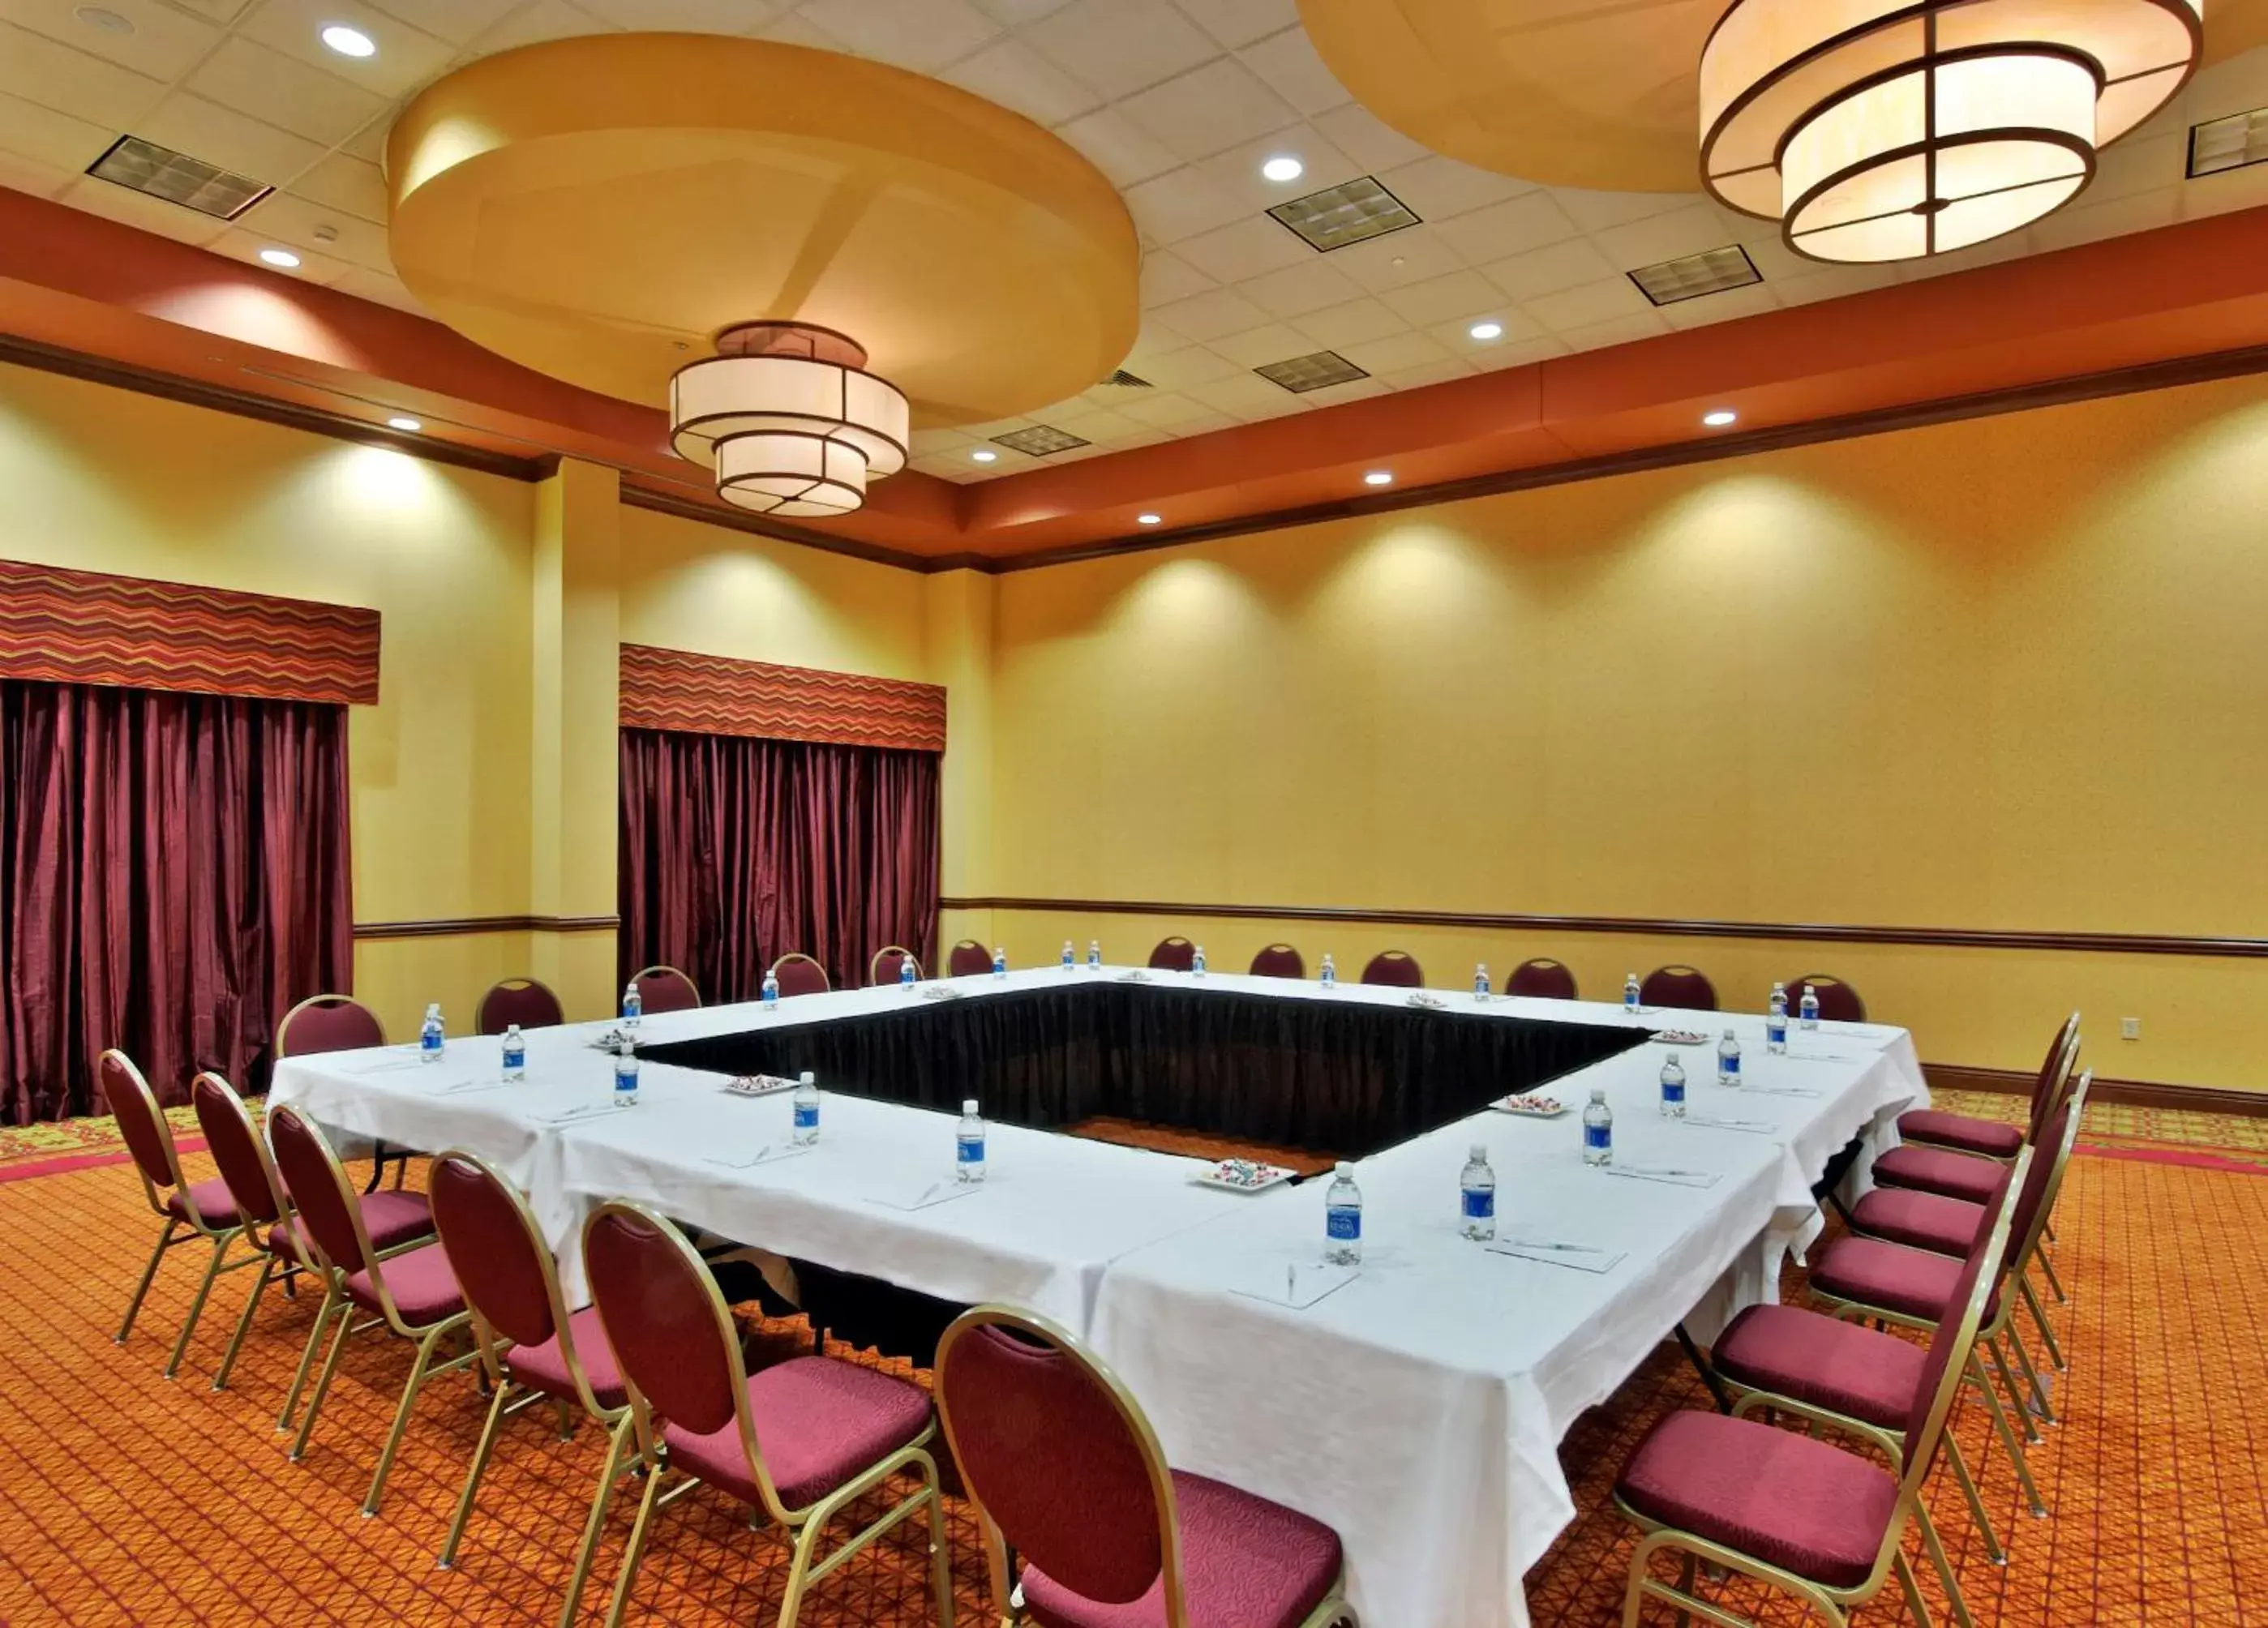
984,454
1377,477
1719,419
1284,166
283,257
349,41
1145,519
403,423
1487,330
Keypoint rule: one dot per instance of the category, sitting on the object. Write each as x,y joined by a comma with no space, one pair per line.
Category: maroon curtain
174,876
735,851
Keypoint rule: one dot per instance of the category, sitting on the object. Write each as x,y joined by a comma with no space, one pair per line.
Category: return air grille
1712,271
2228,144
178,178
1039,441
1354,211
1317,371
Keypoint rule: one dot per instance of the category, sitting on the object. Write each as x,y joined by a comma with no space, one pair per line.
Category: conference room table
1416,1407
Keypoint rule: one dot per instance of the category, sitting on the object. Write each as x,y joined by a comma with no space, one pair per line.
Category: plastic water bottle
1672,1087
771,991
1808,1014
633,1005
1330,974
1598,1131
999,963
806,1110
431,1037
1629,991
1481,981
906,973
969,1153
1729,1060
1478,1184
1776,1020
1095,954
1196,962
515,1055
1070,960
626,1076
1342,1219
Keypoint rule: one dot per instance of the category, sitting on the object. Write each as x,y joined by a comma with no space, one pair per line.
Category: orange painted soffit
157,309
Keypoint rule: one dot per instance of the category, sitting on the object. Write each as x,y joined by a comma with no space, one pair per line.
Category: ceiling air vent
1039,441
1318,371
1354,211
1712,271
1125,380
2228,144
177,178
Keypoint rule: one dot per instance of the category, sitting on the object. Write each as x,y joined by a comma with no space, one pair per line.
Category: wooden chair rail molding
462,926
1816,932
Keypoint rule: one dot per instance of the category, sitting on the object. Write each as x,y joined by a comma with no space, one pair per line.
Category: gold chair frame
1333,1608
642,973
798,955
495,1348
874,963
270,1261
194,1225
1833,1604
1989,1337
336,1303
808,1523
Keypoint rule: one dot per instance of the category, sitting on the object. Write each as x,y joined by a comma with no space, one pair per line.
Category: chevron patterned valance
717,695
82,627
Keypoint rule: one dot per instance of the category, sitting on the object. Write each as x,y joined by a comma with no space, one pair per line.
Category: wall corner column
957,621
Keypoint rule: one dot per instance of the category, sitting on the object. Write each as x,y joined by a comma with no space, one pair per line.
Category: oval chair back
800,975
968,960
142,1126
506,1273
1949,1344
2055,1073
1838,1002
527,1002
666,989
327,1023
321,1193
1279,960
1174,954
883,968
2036,1194
1542,978
1060,1458
1687,988
1395,969
234,1143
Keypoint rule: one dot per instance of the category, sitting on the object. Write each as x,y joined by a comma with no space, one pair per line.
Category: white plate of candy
1681,1037
1244,1175
1533,1106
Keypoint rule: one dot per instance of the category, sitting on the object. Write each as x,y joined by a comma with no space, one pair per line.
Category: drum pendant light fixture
1896,130
789,418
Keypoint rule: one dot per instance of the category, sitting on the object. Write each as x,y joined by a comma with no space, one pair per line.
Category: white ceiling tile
52,138
1207,316
460,21
922,35
2231,189
789,28
214,10
140,210
368,144
1181,204
1436,188
1494,358
1288,64
1398,258
1295,290
2011,246
1167,409
405,59
946,468
1353,390
281,91
1366,139
1017,77
928,441
1824,282
1669,236
2137,165
1617,331
163,43
296,221
221,136
2138,212
1350,324
1769,253
2237,85
40,70
35,176
1238,23
1236,170
1238,393
1167,277
1533,220
1518,329
346,184
1588,303
1396,352
1110,143
1442,299
1259,346
1204,111
1178,370
1118,47
1720,307
1095,426
1548,270
1244,248
244,242
1016,13
1595,212
1428,373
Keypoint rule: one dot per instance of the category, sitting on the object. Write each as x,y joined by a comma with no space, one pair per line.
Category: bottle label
1729,1068
1599,1137
1776,1029
431,1040
1480,1204
626,1082
1344,1223
1629,999
971,1149
514,1057
807,1116
1672,1091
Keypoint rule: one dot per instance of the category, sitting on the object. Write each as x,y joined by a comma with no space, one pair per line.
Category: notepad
769,1155
1294,1285
1582,1257
1760,1127
1675,1178
928,1196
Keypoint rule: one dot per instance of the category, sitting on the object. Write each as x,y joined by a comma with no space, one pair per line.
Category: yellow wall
2004,674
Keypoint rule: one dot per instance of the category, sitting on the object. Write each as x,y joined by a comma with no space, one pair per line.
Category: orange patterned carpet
132,1501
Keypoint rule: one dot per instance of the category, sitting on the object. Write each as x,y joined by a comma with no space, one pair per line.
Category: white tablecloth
1418,1410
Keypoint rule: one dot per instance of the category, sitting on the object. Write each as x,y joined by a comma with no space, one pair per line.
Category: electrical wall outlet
2130,1029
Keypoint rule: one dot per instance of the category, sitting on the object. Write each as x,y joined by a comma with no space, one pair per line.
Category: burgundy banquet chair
324,1023
527,1002
1066,1470
1396,969
1685,988
1967,1174
1279,960
800,975
883,968
799,1441
665,988
521,1316
1994,1139
1542,978
1174,954
1838,1002
968,960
